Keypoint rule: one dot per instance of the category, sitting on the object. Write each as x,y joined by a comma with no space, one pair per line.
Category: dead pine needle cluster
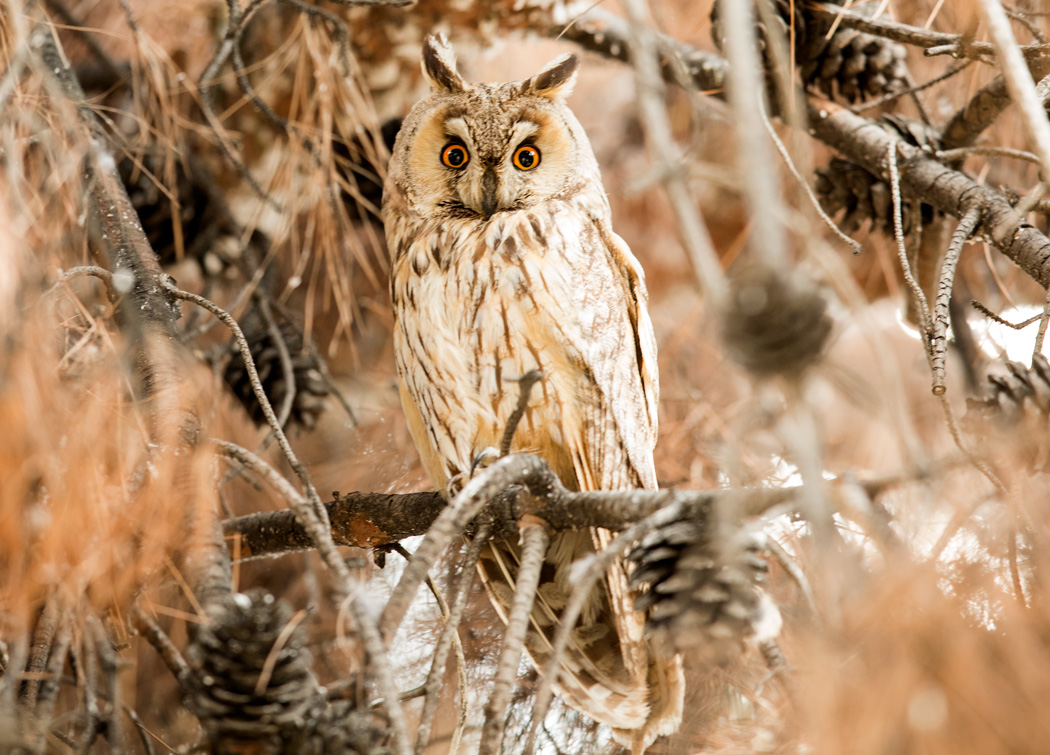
842,214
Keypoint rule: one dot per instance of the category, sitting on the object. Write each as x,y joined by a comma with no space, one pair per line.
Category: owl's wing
597,306
589,318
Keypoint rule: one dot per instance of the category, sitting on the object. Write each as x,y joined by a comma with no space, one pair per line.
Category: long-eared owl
504,262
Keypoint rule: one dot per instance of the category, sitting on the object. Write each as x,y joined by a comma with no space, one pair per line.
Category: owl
504,261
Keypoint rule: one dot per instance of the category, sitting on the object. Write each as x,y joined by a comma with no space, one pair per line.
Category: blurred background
253,147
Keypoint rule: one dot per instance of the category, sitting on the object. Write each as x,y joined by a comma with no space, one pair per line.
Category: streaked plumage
502,266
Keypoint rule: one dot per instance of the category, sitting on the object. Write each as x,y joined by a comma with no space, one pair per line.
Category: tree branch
369,520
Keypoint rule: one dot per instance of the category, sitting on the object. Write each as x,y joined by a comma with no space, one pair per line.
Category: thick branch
984,107
369,520
362,520
945,189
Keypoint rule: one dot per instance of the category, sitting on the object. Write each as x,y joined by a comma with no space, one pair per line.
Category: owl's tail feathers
666,699
608,671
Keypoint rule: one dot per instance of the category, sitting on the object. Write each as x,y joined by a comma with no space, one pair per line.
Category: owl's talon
455,484
485,459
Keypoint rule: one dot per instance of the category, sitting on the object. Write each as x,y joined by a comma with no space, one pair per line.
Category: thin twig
144,735
980,464
525,384
902,251
793,570
1031,28
891,96
992,316
94,271
165,648
283,356
1044,317
959,153
206,87
757,167
85,655
786,156
114,730
939,337
1015,572
534,541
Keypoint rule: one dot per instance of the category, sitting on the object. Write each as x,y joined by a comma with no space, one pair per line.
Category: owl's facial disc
512,172
500,151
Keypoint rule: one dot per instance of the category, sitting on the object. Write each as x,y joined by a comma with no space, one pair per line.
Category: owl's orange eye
454,156
526,157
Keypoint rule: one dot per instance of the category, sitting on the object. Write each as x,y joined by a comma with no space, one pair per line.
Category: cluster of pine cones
849,66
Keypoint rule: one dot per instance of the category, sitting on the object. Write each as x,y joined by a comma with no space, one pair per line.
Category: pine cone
346,729
229,655
844,185
1017,409
1023,391
775,325
850,65
702,595
311,390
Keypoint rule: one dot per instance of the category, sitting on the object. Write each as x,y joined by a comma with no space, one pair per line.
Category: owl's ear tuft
439,66
556,80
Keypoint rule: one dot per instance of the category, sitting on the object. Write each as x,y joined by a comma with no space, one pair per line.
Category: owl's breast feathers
479,304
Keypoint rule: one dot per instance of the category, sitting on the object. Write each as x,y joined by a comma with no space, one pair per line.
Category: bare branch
945,189
934,42
939,337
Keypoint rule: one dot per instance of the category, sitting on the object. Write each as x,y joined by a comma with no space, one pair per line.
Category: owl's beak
489,184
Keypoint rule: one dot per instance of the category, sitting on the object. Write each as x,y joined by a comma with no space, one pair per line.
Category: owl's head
475,150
